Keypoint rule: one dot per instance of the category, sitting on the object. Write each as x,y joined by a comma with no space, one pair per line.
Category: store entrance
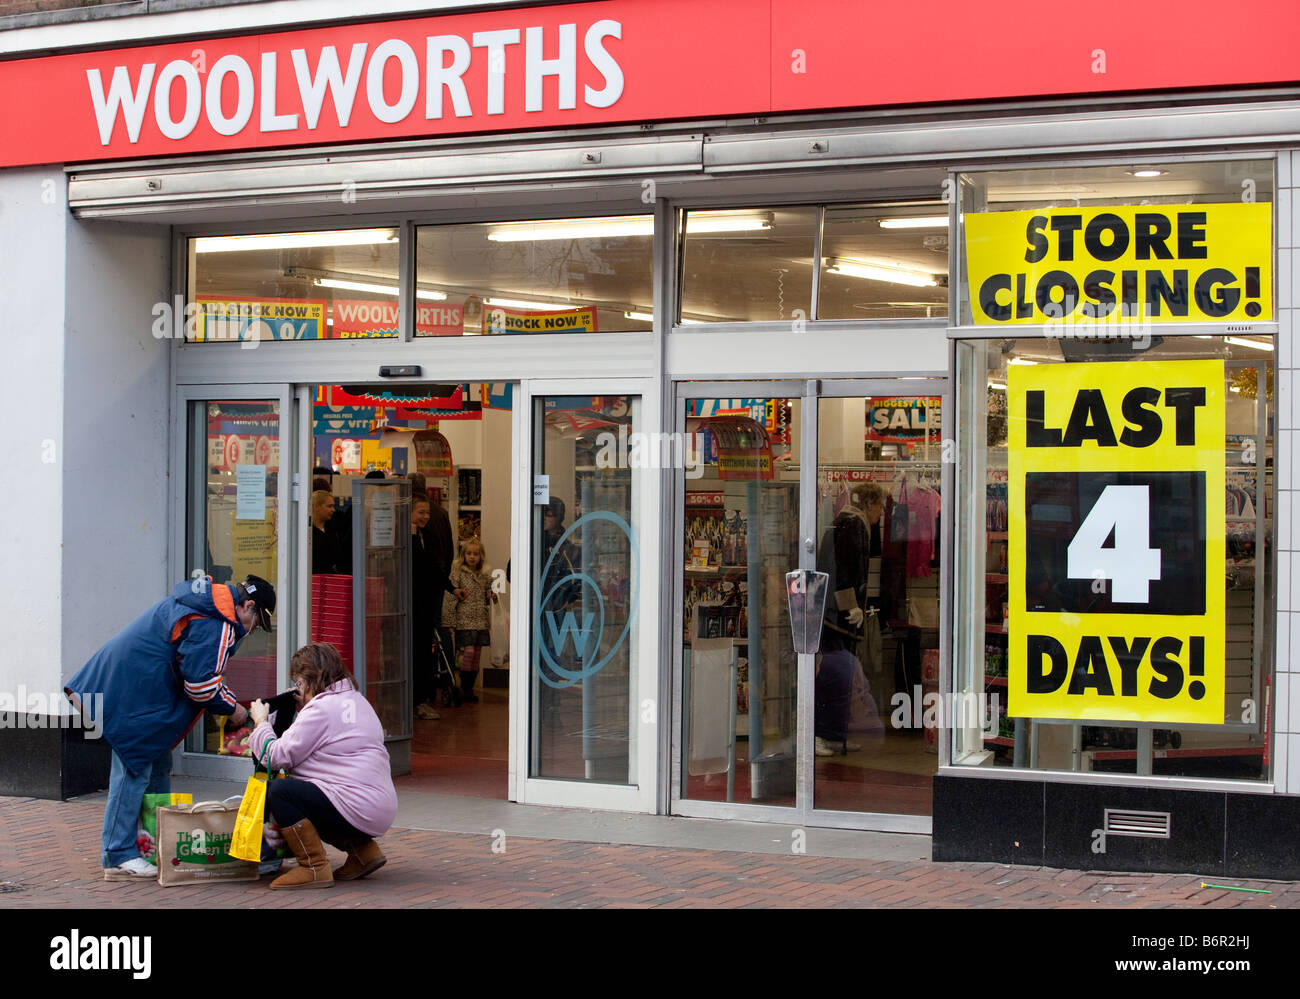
843,478
408,569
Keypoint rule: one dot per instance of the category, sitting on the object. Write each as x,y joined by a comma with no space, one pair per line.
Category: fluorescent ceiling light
1020,360
1256,344
882,272
645,317
294,240
1146,172
920,222
376,289
698,223
521,303
608,228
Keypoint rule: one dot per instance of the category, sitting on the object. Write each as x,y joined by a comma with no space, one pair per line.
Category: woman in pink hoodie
340,789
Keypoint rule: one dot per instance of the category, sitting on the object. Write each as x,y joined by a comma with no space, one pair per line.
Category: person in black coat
846,553
324,546
423,590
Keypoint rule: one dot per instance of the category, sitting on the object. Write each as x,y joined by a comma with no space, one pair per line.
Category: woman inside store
339,789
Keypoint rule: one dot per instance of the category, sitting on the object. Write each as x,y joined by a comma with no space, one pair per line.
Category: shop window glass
292,286
1119,243
749,265
884,262
585,275
1144,596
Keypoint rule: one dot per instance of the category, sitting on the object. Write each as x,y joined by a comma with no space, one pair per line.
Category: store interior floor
466,750
892,773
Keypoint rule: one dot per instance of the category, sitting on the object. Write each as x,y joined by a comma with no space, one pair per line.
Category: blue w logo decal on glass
571,644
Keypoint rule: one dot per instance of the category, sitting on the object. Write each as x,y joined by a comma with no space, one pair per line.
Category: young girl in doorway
472,582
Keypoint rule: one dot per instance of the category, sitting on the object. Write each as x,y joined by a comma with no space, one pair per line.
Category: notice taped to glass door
1116,541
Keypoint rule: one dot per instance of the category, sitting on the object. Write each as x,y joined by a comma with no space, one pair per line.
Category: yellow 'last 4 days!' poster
1116,541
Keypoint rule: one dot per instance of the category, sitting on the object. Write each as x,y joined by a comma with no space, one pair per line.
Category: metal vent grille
1147,825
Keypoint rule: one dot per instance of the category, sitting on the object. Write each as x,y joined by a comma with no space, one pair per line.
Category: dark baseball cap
262,594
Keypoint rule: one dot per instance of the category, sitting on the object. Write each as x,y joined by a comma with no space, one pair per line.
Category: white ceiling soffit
1039,135
379,172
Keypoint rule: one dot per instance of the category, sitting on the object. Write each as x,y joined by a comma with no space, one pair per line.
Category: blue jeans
125,796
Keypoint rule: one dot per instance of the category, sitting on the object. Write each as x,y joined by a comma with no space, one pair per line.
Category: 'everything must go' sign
1122,264
1116,541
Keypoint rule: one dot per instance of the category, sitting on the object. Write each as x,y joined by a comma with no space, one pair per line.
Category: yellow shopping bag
247,841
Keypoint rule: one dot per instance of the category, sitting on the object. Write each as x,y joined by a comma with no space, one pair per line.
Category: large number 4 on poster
1116,533
1130,563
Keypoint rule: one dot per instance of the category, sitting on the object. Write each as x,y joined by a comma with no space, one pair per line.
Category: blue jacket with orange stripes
161,671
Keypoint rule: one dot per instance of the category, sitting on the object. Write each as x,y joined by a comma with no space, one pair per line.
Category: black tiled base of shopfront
54,763
1056,824
988,820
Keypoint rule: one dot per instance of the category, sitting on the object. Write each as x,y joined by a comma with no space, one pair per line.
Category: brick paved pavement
49,858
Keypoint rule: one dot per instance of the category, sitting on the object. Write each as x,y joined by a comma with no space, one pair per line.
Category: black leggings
290,800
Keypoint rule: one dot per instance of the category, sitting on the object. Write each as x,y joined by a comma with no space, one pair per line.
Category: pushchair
444,673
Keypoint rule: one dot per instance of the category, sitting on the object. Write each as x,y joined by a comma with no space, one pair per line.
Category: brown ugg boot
313,870
364,858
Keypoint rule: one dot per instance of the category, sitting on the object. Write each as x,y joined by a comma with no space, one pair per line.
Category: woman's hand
259,711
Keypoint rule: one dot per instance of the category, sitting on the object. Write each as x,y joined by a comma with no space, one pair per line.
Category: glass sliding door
233,515
878,716
739,669
583,568
843,478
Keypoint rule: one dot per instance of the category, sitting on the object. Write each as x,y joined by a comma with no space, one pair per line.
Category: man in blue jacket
157,677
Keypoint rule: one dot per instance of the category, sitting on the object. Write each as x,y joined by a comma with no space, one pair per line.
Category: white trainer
135,869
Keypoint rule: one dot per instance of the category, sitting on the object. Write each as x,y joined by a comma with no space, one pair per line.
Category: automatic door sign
1116,541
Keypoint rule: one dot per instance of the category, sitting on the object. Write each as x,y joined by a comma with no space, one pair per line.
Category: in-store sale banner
1116,541
362,319
246,319
744,449
503,320
903,420
1122,265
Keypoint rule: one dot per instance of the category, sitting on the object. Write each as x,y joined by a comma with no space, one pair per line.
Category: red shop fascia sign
610,62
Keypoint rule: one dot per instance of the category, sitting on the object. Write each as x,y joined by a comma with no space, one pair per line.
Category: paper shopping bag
146,832
194,845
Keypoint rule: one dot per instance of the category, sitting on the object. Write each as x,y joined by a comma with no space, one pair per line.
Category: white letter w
119,96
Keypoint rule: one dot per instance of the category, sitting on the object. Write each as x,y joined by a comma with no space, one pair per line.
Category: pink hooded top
337,743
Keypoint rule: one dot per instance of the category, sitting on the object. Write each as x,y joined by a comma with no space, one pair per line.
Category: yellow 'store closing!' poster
1121,264
1116,541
